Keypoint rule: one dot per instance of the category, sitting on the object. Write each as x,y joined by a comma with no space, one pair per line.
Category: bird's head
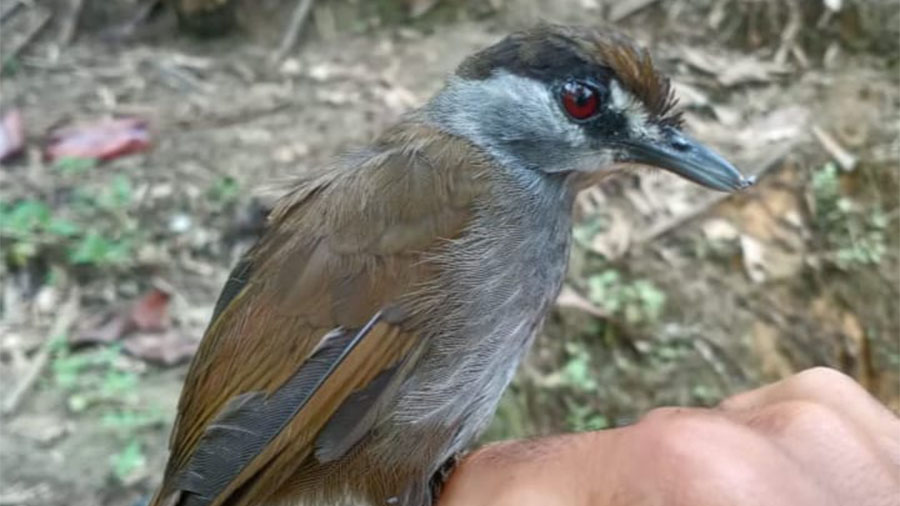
562,99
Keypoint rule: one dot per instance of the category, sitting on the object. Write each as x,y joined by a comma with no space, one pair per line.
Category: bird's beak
682,155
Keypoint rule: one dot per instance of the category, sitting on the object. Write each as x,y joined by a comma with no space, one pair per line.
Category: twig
11,9
29,37
843,157
289,40
70,24
664,227
622,10
180,79
789,34
64,320
228,118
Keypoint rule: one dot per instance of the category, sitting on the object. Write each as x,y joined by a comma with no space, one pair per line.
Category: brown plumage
359,253
365,340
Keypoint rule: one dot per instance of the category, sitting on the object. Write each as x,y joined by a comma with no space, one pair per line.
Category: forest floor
675,295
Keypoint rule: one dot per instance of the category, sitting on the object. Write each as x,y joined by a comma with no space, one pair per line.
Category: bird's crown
550,53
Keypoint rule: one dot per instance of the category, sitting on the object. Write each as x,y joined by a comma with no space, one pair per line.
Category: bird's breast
495,287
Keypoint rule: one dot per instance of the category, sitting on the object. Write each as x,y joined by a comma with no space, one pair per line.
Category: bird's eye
580,100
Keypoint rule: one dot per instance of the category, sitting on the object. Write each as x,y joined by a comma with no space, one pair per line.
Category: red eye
580,100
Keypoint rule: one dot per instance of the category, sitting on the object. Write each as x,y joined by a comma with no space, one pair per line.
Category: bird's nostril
679,144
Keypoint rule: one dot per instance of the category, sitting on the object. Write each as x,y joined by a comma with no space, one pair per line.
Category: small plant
576,372
73,165
10,66
128,462
94,230
577,376
638,301
582,418
92,377
224,191
93,248
852,234
126,421
96,384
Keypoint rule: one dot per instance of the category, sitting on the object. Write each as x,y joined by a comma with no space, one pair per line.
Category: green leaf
130,419
128,461
118,382
94,248
74,165
26,217
224,190
62,227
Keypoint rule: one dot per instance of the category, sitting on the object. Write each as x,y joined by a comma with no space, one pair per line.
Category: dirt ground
675,295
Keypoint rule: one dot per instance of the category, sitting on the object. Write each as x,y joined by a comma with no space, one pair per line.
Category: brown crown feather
550,52
634,68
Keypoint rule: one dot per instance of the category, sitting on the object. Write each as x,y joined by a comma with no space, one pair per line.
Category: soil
751,290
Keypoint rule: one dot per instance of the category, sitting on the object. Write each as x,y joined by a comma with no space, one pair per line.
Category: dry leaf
773,363
764,262
569,298
12,136
730,71
105,327
779,125
103,140
150,313
717,229
844,158
613,242
166,348
749,70
689,96
752,252
419,8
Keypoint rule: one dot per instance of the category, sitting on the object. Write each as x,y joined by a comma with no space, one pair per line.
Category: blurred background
142,142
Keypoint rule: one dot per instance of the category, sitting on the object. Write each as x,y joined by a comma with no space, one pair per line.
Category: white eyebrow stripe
639,122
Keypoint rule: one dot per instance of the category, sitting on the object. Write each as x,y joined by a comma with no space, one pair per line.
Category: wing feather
295,337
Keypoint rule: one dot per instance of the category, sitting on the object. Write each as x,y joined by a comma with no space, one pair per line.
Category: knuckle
674,436
801,417
822,377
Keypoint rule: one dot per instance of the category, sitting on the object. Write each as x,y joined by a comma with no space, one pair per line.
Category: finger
826,444
704,457
833,389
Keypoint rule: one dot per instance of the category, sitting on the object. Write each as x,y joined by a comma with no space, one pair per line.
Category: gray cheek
516,119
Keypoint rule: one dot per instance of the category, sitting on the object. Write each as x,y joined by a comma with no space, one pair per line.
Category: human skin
816,438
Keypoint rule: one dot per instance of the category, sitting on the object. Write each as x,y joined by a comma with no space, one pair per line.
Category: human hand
816,438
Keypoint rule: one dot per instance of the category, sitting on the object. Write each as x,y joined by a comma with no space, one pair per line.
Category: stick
64,320
843,157
70,25
289,40
622,10
10,9
23,42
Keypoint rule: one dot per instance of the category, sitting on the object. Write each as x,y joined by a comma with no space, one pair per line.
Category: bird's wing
312,315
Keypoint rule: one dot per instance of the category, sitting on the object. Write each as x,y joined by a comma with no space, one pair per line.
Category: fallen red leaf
12,137
166,348
103,140
104,328
150,313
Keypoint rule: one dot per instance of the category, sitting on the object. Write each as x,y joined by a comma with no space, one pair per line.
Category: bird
363,343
